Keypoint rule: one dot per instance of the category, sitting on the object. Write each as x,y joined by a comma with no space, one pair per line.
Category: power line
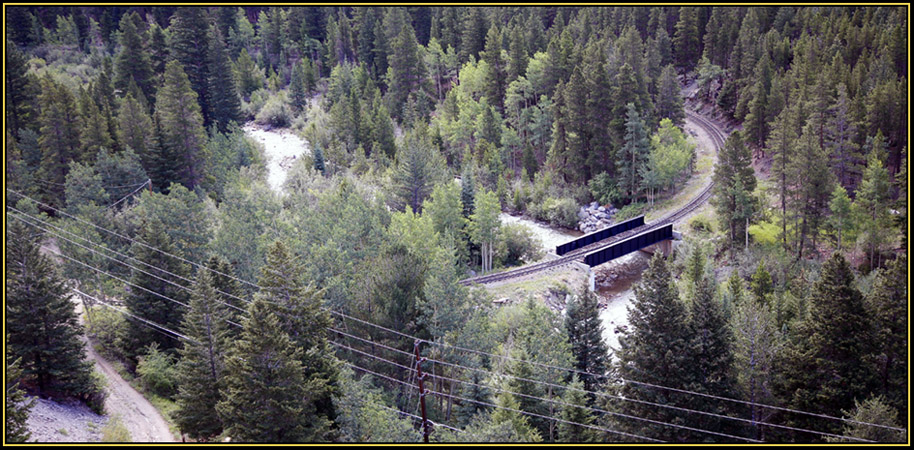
420,418
175,334
501,407
551,400
477,351
117,260
130,194
130,239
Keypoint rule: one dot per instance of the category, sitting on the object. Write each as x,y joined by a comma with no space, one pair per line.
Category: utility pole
420,376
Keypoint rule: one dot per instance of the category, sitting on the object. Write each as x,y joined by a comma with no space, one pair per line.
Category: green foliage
484,225
181,126
585,333
157,372
419,168
765,233
16,406
873,410
109,327
604,189
198,373
363,417
734,183
46,335
274,113
116,431
517,244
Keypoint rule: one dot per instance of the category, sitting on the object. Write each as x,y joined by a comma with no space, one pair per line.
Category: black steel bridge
624,236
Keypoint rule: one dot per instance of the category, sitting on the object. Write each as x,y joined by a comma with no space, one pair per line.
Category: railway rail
717,136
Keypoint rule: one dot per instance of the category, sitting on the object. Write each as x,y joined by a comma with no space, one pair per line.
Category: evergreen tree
134,125
568,430
405,72
472,39
585,332
840,223
687,39
419,167
760,285
301,313
633,155
319,160
222,95
201,366
58,136
44,333
841,134
16,407
20,90
181,125
264,368
147,298
872,205
94,135
228,290
477,391
133,60
298,95
188,33
249,77
887,305
821,370
521,372
734,182
655,350
711,358
495,81
158,51
669,101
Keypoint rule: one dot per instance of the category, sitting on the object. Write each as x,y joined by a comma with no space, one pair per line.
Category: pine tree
188,33
734,182
841,222
181,124
821,369
20,90
887,305
419,167
472,39
263,368
872,204
222,95
319,159
228,289
655,350
133,60
44,333
477,391
16,406
298,96
495,78
301,313
686,40
134,125
94,135
634,153
841,133
521,371
201,366
147,298
712,359
568,431
58,135
813,192
760,285
669,101
585,332
406,71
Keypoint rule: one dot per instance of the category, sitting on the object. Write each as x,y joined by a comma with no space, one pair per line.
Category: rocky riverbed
595,217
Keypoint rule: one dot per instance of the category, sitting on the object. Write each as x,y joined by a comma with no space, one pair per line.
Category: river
282,146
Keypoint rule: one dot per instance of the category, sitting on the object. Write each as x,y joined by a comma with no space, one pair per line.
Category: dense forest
305,315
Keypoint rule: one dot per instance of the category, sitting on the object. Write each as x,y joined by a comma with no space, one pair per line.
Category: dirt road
139,416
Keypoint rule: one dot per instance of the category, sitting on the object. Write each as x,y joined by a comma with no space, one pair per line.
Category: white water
282,147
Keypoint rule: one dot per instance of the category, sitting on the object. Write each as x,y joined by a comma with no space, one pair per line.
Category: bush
518,244
563,212
157,371
701,223
95,394
108,327
604,189
274,113
629,211
766,233
115,431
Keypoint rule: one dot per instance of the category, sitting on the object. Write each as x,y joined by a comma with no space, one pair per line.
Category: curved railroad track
717,136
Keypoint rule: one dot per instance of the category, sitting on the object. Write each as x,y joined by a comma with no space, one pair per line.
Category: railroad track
717,136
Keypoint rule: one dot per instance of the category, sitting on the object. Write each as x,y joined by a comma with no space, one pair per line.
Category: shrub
518,244
766,233
701,223
629,211
604,189
108,327
115,431
274,113
562,212
157,371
